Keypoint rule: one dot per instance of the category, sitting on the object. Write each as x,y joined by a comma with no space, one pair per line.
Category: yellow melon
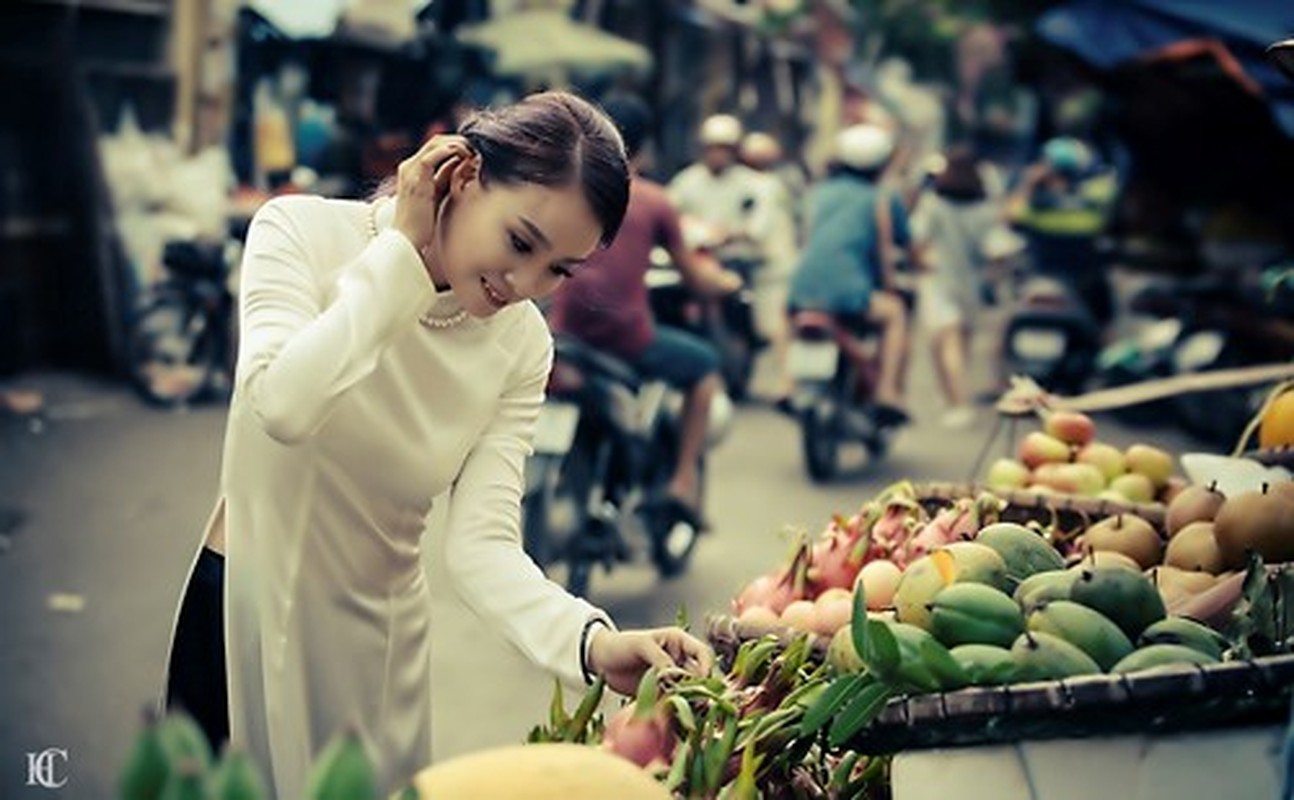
538,772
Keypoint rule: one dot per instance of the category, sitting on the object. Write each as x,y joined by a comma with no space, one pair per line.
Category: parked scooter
605,447
1050,337
835,365
182,344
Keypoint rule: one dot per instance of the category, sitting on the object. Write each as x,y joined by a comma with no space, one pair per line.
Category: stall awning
1109,33
539,43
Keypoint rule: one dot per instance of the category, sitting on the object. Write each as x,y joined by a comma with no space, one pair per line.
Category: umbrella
541,42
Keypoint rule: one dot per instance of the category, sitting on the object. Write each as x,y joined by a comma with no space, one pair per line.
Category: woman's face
505,243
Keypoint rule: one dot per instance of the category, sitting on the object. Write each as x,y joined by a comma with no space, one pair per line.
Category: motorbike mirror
1282,55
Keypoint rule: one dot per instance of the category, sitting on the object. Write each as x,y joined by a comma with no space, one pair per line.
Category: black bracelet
584,646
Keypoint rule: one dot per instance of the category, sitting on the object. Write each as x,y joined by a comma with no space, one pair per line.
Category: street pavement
113,495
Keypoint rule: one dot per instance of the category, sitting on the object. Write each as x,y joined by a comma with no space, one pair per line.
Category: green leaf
683,712
681,618
882,654
557,717
807,693
648,694
858,620
945,668
758,657
841,774
840,692
678,770
744,787
575,729
716,757
860,712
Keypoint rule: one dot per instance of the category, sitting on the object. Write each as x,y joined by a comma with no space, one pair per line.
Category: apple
1151,462
1070,426
1054,477
1105,457
1135,487
1007,473
1041,448
1083,479
1088,480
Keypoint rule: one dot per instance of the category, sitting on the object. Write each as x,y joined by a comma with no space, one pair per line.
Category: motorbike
834,364
1050,336
605,447
182,342
728,322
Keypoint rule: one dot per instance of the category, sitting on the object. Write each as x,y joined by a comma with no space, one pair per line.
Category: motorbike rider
607,306
721,194
842,269
1062,205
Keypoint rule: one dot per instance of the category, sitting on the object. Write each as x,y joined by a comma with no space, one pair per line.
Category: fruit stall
1083,621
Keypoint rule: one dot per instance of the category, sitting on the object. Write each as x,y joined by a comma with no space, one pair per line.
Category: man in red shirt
606,305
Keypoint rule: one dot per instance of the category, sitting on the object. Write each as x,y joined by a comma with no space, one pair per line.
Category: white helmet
864,147
723,130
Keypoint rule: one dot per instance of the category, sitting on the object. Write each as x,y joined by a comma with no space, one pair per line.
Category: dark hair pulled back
555,139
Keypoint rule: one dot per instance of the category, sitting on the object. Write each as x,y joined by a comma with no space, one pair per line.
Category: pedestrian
949,224
391,352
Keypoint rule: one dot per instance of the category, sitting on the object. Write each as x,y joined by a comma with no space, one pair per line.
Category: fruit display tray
1168,700
1071,511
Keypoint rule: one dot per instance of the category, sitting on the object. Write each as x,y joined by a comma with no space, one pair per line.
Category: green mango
924,663
841,655
985,664
1088,630
1025,551
1126,597
973,613
1188,632
1042,656
1162,655
1044,587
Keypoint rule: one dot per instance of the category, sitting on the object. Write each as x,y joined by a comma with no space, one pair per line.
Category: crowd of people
899,244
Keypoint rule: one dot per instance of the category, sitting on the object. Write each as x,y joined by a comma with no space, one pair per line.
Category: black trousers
196,679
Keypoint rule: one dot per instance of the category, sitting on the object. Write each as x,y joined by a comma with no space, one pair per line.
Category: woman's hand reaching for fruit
621,657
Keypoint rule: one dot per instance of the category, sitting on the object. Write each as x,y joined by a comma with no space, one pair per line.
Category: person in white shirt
950,224
391,352
721,193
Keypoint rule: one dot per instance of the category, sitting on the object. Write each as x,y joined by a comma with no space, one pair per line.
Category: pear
1259,521
1195,548
1195,503
1127,534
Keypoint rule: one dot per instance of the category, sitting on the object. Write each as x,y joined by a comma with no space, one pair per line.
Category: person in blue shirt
846,266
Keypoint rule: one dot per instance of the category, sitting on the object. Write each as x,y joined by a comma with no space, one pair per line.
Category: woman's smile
496,298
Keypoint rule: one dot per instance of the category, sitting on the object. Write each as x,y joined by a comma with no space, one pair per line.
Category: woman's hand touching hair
422,186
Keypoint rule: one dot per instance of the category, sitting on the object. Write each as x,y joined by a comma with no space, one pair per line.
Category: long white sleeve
304,341
485,559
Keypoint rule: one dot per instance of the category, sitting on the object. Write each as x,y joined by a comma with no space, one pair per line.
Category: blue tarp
1109,33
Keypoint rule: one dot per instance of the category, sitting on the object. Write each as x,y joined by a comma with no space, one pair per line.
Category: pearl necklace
427,320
